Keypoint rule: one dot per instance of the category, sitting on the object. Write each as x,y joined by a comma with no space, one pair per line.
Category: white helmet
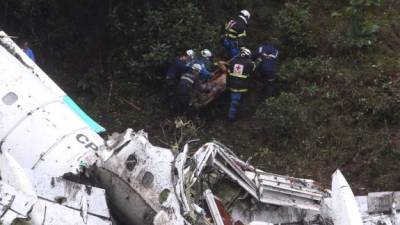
245,51
196,67
190,53
206,53
245,13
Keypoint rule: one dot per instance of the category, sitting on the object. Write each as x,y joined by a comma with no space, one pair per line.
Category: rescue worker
178,67
234,31
28,51
266,59
239,69
205,61
188,83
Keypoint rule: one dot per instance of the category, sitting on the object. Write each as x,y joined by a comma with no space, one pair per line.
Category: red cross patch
238,69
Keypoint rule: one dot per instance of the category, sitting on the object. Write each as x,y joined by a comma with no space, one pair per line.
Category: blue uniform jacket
205,67
29,53
268,55
177,68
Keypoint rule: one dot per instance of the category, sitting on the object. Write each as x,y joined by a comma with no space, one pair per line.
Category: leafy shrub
358,30
284,117
355,36
89,82
294,28
167,30
375,108
309,69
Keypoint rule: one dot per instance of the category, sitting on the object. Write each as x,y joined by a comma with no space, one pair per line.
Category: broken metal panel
288,191
265,187
379,202
18,197
276,197
207,156
223,212
282,190
228,159
150,162
13,174
260,223
56,189
136,177
237,179
164,218
247,212
379,208
344,205
45,167
56,214
179,187
9,218
380,220
14,204
212,206
203,157
75,196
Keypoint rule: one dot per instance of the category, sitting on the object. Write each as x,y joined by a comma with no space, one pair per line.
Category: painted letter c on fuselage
81,138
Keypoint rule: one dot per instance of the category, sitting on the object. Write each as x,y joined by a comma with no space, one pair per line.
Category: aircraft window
164,195
131,162
147,180
10,98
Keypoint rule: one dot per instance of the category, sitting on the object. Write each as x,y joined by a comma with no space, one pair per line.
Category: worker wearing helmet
28,51
235,30
266,57
205,61
239,69
178,67
188,82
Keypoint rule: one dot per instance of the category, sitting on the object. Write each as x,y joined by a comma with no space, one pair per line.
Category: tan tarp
210,90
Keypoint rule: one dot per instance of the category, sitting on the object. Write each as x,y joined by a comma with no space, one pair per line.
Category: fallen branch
8,36
131,104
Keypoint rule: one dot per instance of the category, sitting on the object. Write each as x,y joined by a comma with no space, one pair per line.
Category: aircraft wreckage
56,170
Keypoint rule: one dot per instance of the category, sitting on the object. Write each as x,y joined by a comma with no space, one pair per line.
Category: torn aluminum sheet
212,206
140,176
16,205
379,208
180,162
291,200
275,189
265,187
18,200
46,138
253,196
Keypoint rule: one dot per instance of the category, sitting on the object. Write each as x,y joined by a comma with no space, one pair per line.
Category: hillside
339,75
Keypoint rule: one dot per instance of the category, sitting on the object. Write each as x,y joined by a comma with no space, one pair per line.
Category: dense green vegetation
339,75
